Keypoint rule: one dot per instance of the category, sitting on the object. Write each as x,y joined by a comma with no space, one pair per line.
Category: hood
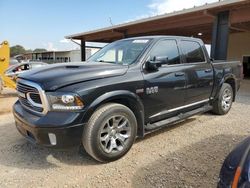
55,76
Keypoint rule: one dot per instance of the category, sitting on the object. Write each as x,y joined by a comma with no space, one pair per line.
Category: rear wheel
224,102
110,132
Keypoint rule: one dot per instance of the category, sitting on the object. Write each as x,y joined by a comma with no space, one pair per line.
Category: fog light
52,138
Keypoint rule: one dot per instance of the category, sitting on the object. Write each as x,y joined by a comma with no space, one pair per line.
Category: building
60,56
223,24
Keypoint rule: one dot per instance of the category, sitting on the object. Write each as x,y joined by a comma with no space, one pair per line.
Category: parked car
19,68
235,171
126,90
13,61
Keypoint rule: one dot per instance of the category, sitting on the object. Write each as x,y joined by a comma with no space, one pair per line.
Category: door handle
179,74
208,70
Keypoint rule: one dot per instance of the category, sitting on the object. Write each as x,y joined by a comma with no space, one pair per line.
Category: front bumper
57,130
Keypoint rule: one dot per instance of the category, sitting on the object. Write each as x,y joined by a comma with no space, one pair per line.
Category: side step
177,118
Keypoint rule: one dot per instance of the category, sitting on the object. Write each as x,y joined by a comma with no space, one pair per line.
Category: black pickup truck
126,90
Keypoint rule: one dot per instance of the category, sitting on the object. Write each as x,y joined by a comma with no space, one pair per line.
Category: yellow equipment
4,64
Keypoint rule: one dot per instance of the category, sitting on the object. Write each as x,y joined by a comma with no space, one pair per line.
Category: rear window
192,51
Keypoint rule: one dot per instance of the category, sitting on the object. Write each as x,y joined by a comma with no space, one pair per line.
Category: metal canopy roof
188,22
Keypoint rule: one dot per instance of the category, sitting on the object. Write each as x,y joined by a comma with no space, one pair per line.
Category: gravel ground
188,154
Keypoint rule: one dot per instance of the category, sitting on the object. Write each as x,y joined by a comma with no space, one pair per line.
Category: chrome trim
32,102
179,108
20,94
45,103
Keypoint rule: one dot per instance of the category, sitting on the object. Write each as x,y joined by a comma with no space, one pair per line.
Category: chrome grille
25,88
29,97
36,98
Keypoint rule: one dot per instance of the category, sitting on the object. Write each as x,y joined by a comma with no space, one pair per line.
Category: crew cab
129,88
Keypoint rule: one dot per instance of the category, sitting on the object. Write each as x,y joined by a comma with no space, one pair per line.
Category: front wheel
110,132
223,104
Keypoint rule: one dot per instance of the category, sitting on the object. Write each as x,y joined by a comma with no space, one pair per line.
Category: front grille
36,98
25,88
29,97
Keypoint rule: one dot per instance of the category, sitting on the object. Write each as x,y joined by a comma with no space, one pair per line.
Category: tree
40,50
28,51
16,50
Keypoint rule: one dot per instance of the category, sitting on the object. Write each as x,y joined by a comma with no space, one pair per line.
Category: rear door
165,87
199,72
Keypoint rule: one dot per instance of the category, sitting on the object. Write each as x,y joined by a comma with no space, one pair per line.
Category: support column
220,36
83,50
125,34
54,57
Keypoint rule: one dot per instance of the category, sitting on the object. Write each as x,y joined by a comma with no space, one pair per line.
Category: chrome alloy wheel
226,99
114,134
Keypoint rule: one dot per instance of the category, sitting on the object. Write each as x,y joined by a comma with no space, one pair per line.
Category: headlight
61,101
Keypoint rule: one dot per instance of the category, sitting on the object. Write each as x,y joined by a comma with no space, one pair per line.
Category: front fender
135,104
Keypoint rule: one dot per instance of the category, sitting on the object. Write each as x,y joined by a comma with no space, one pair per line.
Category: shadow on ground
28,156
16,151
192,166
243,95
166,129
22,154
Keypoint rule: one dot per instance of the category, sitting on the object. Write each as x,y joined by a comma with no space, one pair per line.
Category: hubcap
114,134
226,99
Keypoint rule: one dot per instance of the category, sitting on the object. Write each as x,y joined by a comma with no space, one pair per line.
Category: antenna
110,21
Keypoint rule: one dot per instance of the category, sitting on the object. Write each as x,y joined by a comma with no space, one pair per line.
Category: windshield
123,52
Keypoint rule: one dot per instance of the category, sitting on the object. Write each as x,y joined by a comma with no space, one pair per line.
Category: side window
166,48
192,51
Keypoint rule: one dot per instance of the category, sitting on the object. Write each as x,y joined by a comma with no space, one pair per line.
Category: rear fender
224,80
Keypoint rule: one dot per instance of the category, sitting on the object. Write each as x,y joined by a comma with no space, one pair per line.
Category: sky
45,23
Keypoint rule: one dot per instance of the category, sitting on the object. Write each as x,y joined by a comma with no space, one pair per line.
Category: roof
162,37
201,17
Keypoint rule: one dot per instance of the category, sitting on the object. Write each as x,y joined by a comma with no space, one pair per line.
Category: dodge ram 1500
126,90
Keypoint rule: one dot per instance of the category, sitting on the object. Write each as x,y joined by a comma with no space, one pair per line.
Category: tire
223,103
110,132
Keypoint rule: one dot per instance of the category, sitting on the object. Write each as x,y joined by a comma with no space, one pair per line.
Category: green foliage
40,50
16,50
29,51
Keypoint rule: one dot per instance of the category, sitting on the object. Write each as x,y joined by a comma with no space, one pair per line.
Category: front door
165,87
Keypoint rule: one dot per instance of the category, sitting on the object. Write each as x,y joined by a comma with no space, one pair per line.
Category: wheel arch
126,98
231,80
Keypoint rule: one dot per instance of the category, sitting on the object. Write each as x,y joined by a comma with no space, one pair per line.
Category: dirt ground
188,154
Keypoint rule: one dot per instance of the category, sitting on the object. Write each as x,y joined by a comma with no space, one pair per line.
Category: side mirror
156,62
160,60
